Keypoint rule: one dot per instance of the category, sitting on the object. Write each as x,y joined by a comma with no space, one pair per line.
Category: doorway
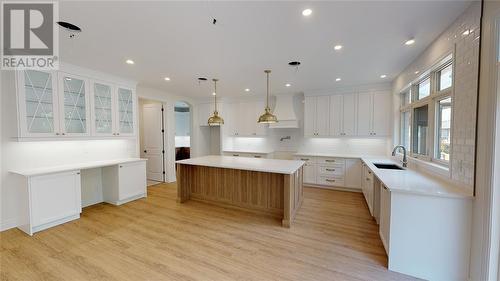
152,139
182,115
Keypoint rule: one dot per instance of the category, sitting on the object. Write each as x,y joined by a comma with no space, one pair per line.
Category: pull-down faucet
405,160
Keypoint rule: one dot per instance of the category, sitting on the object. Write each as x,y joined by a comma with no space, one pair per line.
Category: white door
309,116
365,106
349,115
381,113
322,115
153,141
55,197
336,115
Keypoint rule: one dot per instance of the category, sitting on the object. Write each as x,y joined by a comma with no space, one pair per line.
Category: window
405,129
420,128
424,88
426,110
443,129
445,77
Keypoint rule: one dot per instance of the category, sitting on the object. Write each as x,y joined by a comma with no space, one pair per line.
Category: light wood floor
333,238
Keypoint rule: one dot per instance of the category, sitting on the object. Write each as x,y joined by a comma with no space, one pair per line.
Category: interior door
153,141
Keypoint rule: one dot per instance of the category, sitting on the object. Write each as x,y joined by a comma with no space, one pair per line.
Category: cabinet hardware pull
121,166
385,187
57,134
330,170
63,134
78,173
236,155
145,151
329,160
117,134
304,159
329,180
256,156
367,179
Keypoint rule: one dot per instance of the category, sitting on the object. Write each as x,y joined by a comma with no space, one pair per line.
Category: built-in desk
52,195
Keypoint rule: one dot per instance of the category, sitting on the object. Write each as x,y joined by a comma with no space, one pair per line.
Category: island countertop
245,163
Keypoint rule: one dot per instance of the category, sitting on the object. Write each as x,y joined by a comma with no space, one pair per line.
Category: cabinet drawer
333,170
331,181
329,161
309,160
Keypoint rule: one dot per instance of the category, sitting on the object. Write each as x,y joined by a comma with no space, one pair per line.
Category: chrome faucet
405,159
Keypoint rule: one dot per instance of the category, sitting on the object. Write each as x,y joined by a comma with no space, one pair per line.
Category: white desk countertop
411,181
246,163
74,166
332,155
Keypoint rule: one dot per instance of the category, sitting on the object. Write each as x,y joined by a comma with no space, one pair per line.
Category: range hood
285,111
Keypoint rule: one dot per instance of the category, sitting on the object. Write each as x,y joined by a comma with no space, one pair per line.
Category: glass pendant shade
215,119
267,117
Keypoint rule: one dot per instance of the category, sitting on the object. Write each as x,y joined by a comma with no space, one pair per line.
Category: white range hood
285,112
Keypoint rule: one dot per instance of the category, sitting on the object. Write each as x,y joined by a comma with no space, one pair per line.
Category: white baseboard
8,224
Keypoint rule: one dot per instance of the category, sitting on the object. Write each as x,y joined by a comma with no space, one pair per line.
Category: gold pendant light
267,117
215,119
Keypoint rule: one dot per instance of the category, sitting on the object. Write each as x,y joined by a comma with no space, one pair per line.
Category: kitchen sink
387,166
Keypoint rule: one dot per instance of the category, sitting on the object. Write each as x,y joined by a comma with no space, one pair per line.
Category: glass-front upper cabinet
38,103
74,104
126,111
103,101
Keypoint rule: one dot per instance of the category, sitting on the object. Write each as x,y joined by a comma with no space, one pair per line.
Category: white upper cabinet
74,101
349,115
103,101
374,114
204,112
66,105
126,111
317,116
382,108
242,119
38,103
364,120
336,113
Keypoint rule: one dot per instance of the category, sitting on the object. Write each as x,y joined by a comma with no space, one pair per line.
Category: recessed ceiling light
338,79
466,32
288,85
247,90
383,76
167,78
213,94
67,79
129,61
410,42
337,47
417,72
307,12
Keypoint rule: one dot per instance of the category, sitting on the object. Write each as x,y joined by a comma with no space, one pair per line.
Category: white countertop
411,181
246,163
333,155
248,151
75,166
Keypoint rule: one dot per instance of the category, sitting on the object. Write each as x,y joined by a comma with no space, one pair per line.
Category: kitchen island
264,186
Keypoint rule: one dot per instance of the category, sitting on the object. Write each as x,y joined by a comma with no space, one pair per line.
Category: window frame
432,101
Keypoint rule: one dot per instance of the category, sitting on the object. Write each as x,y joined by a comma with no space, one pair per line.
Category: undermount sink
387,166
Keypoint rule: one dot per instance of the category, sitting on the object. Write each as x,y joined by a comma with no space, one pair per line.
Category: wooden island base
279,195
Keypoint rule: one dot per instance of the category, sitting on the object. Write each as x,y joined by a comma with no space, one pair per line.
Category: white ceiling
178,40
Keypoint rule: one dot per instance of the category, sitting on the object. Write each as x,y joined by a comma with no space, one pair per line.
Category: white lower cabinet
51,199
248,154
332,172
385,216
124,183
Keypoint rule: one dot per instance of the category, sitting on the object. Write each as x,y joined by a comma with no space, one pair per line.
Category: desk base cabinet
124,183
51,200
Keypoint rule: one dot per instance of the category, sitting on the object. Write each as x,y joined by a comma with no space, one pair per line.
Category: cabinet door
103,104
353,173
38,103
132,180
309,116
364,120
322,115
204,112
54,197
349,115
382,104
126,111
246,121
385,216
310,173
74,101
336,115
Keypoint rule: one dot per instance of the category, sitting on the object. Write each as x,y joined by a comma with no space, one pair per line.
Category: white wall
466,57
35,154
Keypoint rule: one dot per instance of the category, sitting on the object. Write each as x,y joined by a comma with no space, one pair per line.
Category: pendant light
267,117
215,119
